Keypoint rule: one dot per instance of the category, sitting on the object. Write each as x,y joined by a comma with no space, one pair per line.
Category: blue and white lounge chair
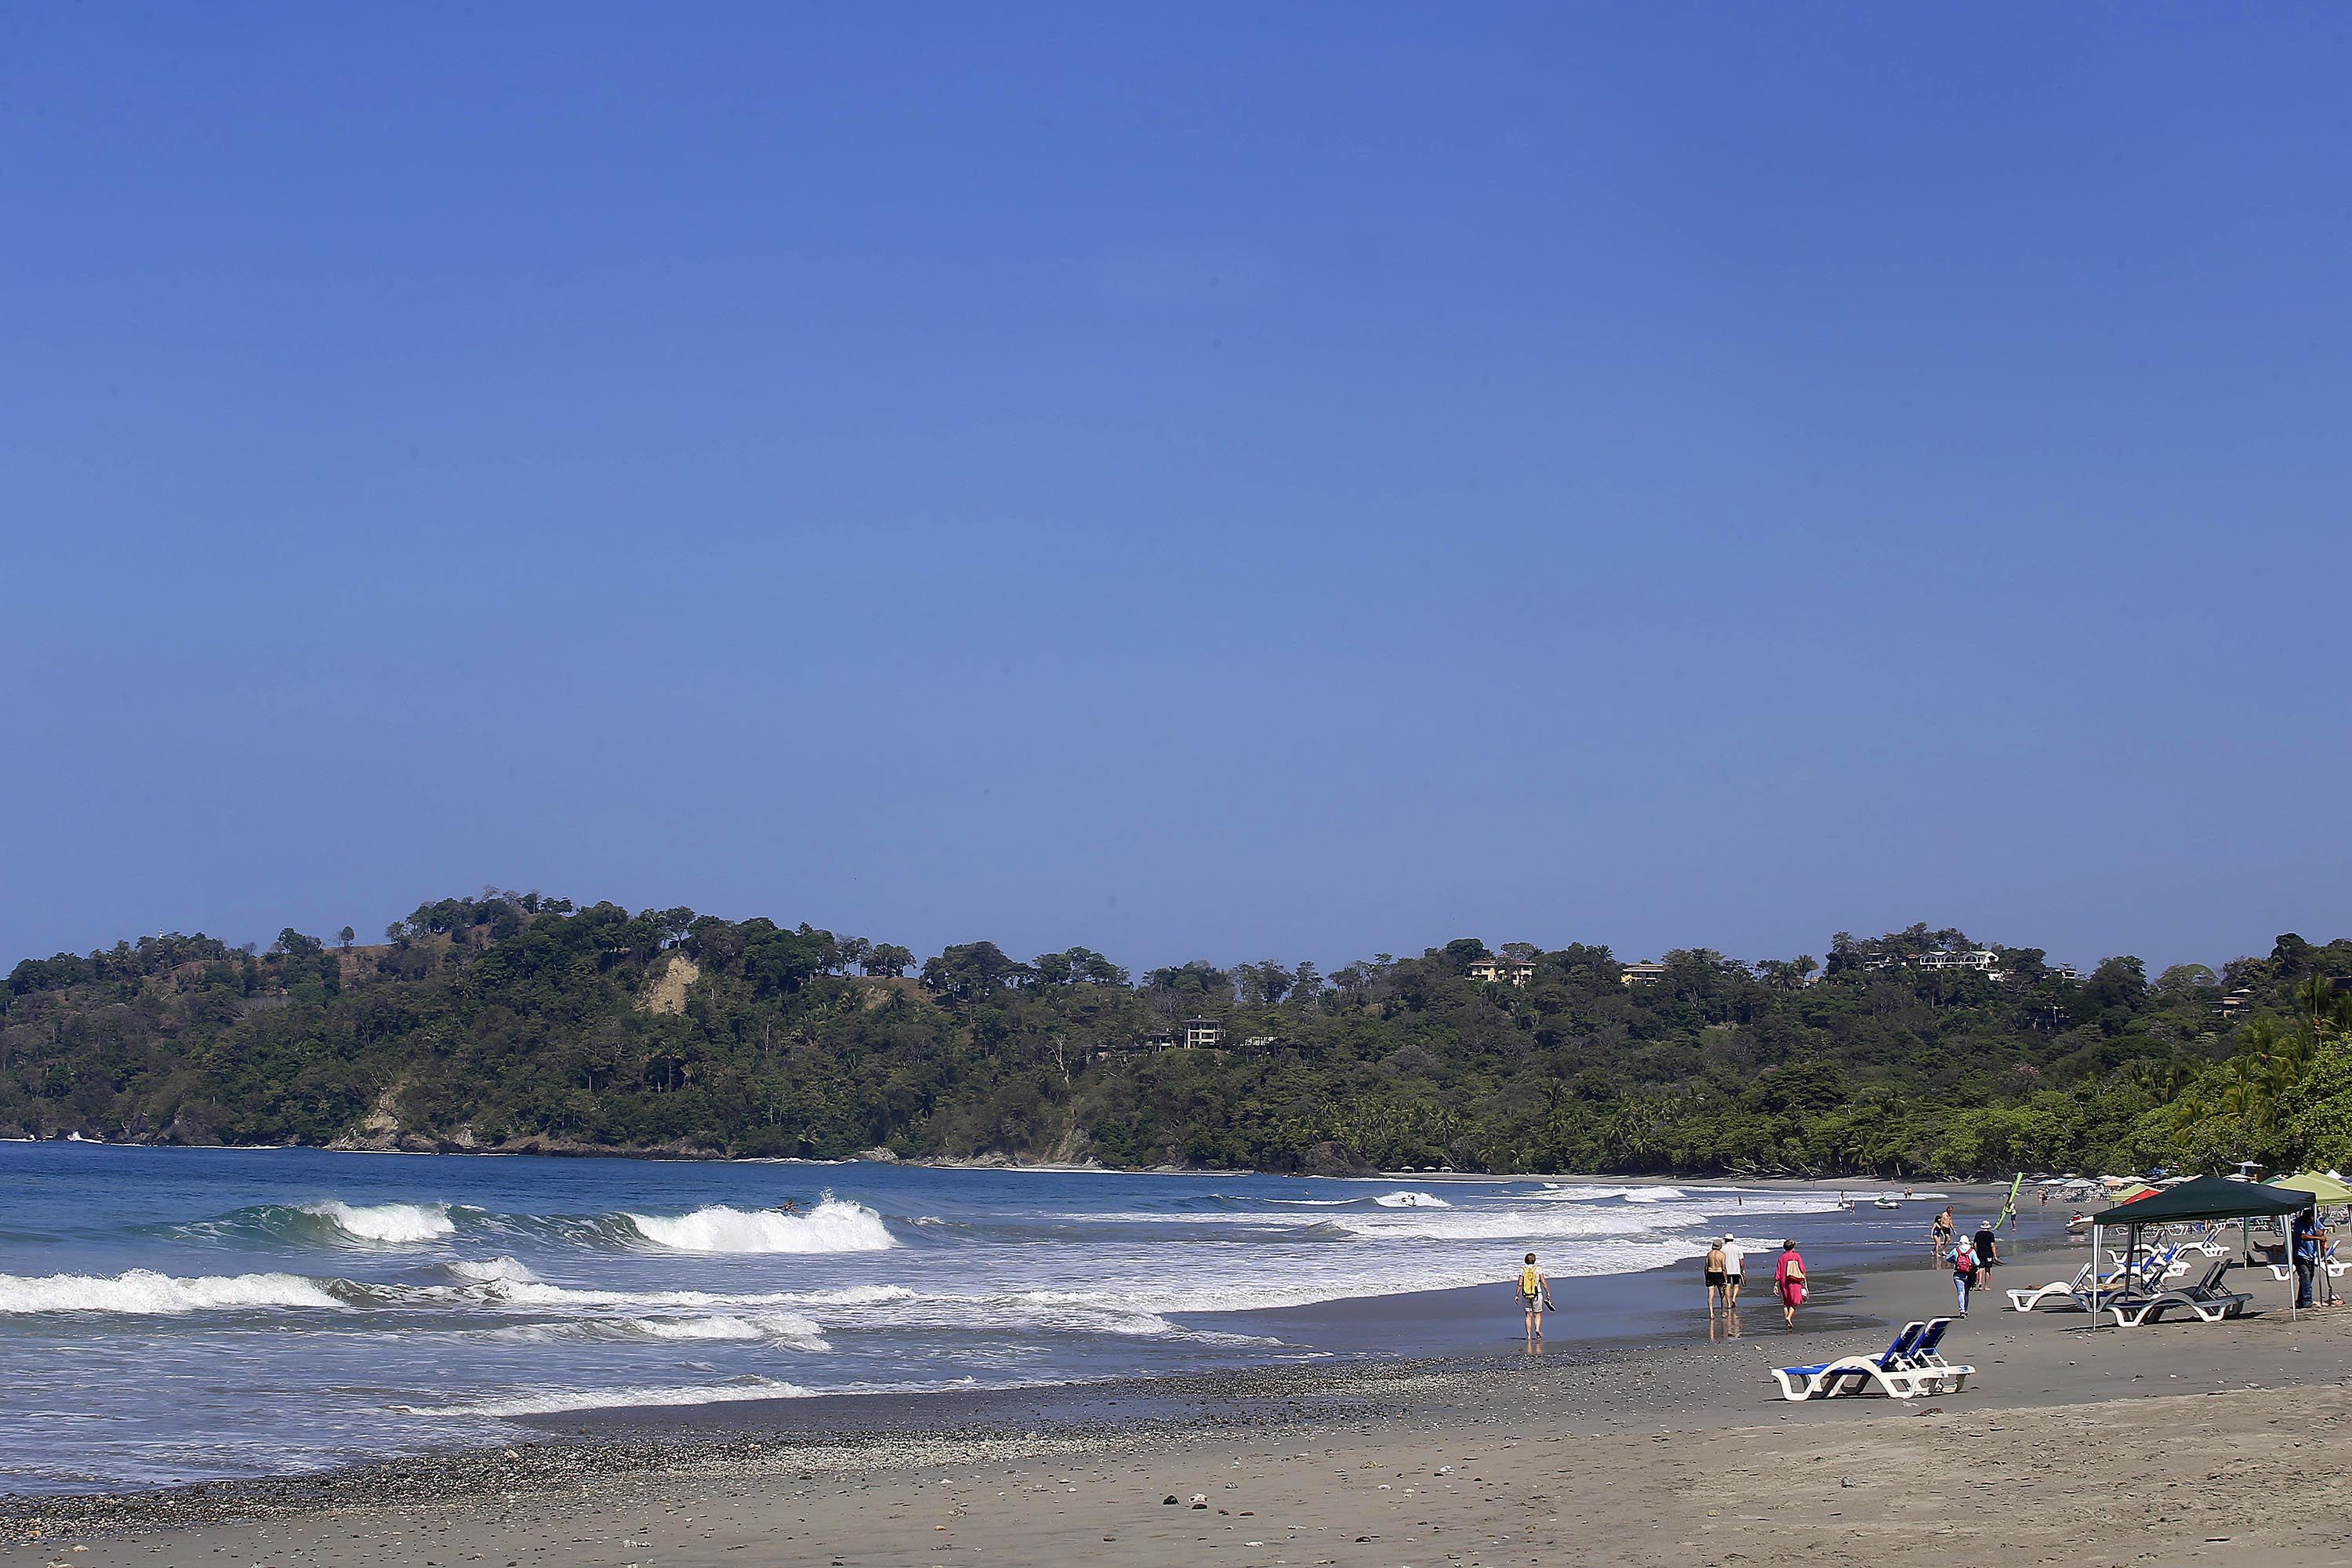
1927,1357
1905,1369
1799,1384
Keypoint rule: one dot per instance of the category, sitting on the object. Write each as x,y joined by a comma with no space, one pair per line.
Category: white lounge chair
2080,1294
2206,1298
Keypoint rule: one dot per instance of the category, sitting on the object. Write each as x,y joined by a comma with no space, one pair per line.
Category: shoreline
1660,1451
1463,1341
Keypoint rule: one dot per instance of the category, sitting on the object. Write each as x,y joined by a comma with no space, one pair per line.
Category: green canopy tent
2205,1198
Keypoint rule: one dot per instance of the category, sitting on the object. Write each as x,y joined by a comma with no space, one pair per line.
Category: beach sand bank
2172,1444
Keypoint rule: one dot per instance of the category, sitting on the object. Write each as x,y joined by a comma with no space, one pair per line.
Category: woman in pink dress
1789,1282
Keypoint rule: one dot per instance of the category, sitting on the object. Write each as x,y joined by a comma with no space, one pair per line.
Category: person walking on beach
1713,1269
1939,1238
1734,1263
1964,1271
1789,1280
1988,1250
1535,1295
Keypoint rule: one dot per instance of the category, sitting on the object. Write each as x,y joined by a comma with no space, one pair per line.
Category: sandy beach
2174,1443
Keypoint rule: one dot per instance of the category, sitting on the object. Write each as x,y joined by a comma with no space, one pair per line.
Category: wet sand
2172,1444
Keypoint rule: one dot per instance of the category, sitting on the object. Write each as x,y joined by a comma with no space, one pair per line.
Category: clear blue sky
1224,481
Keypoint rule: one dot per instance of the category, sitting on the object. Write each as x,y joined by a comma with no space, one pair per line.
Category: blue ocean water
169,1315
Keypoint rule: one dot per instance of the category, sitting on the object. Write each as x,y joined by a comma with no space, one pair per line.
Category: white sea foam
551,1401
1411,1201
1095,1312
777,1328
1506,1225
144,1290
486,1270
776,1325
833,1226
1564,1193
388,1225
854,1295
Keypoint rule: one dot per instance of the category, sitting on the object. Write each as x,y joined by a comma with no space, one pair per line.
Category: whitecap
1411,1201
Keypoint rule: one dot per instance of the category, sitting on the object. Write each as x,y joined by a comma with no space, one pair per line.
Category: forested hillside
516,1022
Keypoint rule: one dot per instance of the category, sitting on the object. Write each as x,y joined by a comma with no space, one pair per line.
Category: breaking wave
1411,1201
491,1271
1564,1193
387,1225
833,1226
142,1290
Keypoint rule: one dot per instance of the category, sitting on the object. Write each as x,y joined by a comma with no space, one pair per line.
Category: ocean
173,1315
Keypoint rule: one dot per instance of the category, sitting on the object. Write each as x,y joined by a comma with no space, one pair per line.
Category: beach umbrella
2323,1188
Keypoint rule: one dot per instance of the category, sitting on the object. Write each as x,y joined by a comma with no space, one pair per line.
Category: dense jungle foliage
513,1021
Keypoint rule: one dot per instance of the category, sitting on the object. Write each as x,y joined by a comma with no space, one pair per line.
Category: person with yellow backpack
1535,1295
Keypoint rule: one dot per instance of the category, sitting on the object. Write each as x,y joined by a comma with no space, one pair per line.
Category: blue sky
1232,482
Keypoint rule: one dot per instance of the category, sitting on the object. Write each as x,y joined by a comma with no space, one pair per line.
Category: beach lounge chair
1926,1356
2206,1298
2153,1262
2069,1291
1799,1384
1905,1369
2080,1294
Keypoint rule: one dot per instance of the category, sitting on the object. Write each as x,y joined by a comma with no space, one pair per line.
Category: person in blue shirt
2305,1250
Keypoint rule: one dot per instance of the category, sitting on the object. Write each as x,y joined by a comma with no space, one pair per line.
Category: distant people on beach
1734,1263
1789,1281
1939,1238
1534,1296
1964,1270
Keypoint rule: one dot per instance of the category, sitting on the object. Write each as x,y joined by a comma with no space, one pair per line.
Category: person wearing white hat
1734,1259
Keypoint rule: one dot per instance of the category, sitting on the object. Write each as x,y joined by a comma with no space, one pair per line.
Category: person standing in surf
1534,1296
